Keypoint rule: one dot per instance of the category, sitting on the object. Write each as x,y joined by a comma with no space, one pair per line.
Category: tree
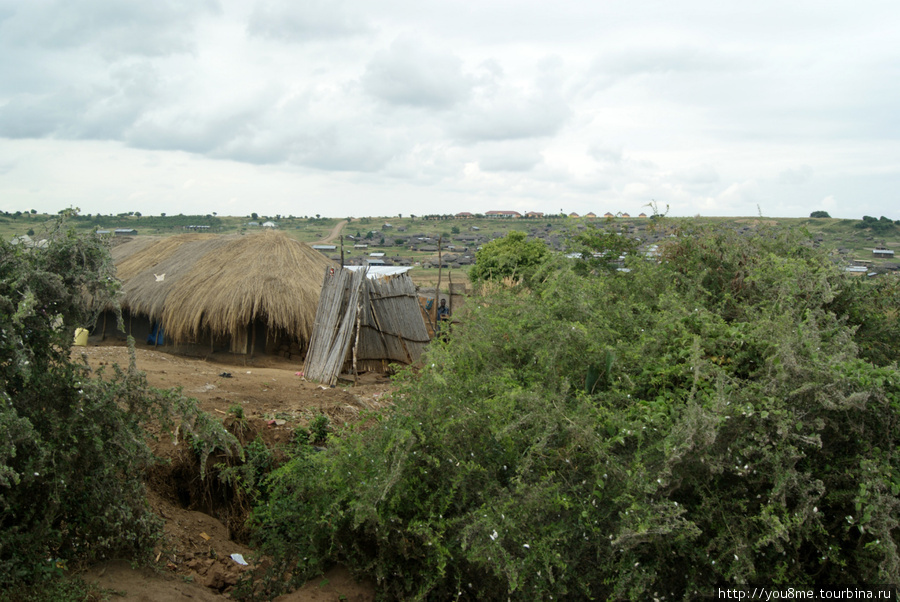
819,214
513,256
454,230
254,216
600,248
72,442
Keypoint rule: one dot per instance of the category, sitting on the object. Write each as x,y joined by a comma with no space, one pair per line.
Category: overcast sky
383,107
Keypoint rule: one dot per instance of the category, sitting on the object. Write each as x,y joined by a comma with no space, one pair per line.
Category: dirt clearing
200,555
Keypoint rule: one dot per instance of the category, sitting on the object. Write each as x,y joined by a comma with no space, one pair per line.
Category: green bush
72,442
694,422
513,256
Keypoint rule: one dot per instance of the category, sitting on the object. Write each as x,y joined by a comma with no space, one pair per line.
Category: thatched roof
197,282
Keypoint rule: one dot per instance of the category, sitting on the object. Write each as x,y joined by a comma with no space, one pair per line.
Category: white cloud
305,21
713,108
410,73
795,176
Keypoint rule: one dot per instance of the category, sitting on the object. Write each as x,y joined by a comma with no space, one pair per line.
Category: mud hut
239,293
365,322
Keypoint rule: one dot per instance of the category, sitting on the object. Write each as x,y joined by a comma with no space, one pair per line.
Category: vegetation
725,415
513,256
881,225
819,214
72,442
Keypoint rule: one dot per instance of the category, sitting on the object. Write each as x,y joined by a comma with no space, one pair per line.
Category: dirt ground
202,529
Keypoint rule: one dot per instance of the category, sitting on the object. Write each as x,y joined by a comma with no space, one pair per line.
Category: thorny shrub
701,420
73,444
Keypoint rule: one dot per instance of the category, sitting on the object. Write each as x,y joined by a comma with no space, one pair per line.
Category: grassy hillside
415,239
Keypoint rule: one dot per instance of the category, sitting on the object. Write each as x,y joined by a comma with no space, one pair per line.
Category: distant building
608,214
643,215
465,215
590,215
883,253
125,232
573,214
269,225
498,214
535,214
625,215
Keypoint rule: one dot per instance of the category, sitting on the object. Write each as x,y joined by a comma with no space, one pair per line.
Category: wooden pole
356,342
342,250
437,290
450,287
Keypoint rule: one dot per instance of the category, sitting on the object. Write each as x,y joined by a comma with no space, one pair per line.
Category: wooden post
450,288
253,337
356,342
437,290
342,250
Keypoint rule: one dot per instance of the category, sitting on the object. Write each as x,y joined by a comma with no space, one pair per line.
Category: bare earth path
335,232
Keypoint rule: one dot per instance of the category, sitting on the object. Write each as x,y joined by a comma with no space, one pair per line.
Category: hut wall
391,328
136,325
365,324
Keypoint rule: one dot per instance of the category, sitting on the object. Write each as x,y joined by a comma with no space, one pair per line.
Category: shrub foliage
72,442
701,420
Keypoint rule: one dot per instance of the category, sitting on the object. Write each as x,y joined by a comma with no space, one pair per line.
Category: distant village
406,246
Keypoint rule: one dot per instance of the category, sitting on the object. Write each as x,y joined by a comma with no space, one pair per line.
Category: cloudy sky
382,107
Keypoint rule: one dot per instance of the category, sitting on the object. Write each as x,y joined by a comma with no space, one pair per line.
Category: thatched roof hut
206,286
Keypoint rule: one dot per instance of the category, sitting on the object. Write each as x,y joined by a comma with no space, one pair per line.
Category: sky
396,107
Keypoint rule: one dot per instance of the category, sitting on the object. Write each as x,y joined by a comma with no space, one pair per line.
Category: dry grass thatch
223,283
147,290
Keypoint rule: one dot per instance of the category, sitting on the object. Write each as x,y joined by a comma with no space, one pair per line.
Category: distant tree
513,256
819,214
318,216
33,211
454,230
599,249
162,214
254,216
30,232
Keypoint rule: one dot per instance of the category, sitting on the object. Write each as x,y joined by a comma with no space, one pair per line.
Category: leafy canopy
513,256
